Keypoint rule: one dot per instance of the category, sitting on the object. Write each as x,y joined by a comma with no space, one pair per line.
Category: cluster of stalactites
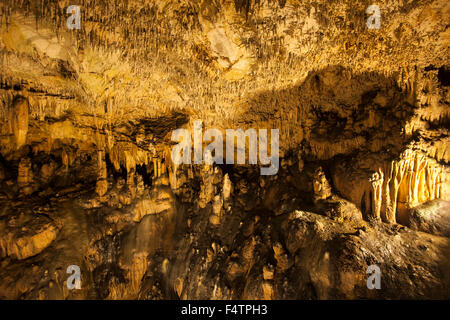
137,27
410,181
128,157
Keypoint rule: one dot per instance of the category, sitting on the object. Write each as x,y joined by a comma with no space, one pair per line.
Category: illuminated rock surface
87,179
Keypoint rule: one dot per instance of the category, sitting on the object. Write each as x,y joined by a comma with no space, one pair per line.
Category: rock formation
87,176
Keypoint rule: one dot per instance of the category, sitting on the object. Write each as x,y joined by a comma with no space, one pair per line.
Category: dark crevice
444,76
146,171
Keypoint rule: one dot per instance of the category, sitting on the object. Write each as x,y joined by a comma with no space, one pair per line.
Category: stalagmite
18,120
102,183
377,185
389,210
321,186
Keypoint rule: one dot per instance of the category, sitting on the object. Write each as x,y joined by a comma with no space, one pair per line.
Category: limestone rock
24,236
25,176
18,120
432,217
87,125
342,209
102,184
159,200
321,186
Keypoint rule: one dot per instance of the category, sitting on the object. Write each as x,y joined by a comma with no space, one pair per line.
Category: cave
109,192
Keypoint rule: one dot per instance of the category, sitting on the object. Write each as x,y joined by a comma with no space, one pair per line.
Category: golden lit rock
88,119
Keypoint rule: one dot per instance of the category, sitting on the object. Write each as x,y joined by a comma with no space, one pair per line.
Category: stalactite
412,180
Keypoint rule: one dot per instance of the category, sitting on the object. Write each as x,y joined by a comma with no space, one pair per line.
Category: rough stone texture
431,217
23,236
86,176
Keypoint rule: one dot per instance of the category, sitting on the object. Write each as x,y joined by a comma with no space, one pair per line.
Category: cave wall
86,118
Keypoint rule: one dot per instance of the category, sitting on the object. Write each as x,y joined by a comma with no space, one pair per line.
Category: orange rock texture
86,170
